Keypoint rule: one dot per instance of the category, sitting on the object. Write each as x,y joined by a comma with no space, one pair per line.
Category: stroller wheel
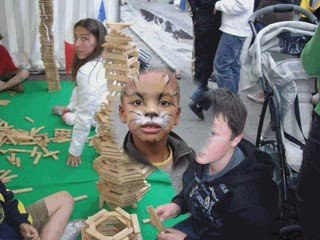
290,232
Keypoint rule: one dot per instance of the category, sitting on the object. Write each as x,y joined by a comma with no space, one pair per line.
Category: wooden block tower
115,225
122,182
47,45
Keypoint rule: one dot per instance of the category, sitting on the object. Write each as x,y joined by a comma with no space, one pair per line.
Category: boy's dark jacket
181,151
11,216
242,204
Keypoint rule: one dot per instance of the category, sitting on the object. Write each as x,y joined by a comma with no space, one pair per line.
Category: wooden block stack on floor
117,225
62,135
47,45
18,137
122,182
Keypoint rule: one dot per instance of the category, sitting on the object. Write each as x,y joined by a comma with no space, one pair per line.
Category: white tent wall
19,24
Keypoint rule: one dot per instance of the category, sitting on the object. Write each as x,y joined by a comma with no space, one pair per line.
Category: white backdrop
19,21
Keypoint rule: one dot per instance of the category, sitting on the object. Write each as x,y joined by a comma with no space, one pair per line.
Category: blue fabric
183,5
227,62
102,12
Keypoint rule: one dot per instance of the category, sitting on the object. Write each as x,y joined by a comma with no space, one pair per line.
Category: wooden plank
4,102
82,197
34,151
155,220
124,233
116,67
29,119
36,161
18,163
6,173
123,213
135,223
113,56
23,190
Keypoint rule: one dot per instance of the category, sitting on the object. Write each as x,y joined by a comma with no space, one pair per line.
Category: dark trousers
308,187
206,39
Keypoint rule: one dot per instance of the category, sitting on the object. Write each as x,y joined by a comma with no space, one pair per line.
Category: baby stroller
287,90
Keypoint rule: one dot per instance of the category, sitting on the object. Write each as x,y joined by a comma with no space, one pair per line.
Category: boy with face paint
228,190
150,107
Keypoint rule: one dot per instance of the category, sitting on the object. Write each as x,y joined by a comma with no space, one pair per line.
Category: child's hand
28,232
74,161
171,234
168,211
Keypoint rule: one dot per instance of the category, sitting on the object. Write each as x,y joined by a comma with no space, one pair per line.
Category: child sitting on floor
228,190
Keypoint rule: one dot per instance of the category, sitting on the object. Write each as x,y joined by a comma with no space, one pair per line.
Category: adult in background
308,199
235,29
206,39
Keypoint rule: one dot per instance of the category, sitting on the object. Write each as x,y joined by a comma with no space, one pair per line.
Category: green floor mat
50,175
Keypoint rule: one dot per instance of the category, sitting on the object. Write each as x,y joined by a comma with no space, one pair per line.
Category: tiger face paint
150,106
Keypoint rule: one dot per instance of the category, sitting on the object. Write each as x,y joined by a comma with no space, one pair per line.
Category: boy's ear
122,114
236,140
178,114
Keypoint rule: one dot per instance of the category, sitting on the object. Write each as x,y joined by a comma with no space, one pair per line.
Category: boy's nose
151,110
151,114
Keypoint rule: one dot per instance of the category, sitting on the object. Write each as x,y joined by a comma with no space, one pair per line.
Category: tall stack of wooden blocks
122,182
47,45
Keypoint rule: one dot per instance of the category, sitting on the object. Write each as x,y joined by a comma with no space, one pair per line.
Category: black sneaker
197,110
171,1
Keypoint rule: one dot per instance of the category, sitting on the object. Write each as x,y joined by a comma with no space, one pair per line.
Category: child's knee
23,74
69,118
66,199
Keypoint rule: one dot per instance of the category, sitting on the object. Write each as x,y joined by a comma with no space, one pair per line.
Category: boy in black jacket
45,219
228,191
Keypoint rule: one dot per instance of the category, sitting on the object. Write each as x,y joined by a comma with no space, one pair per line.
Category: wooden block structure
47,45
116,225
122,182
62,135
18,137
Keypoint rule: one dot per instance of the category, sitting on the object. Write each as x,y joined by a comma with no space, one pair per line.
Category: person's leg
206,37
307,195
236,65
15,80
69,118
60,207
226,56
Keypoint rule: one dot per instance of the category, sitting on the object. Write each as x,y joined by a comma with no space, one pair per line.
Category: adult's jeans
227,62
308,189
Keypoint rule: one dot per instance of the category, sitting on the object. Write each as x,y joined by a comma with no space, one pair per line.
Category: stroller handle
281,8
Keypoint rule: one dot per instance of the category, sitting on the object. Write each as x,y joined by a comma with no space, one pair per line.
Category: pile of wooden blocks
122,182
11,136
61,135
117,225
47,45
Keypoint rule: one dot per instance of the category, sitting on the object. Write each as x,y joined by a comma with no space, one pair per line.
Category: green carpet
50,175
